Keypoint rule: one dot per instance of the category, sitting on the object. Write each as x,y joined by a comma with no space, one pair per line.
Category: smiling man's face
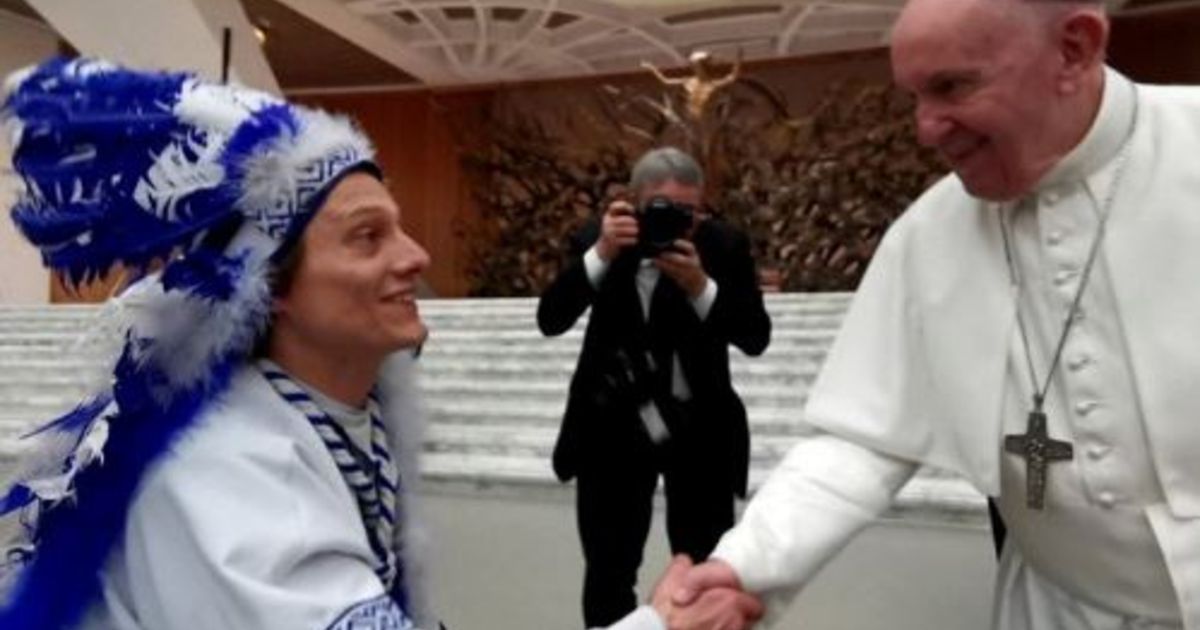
984,76
353,291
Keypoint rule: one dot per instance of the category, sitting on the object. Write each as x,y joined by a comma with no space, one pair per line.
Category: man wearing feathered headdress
249,462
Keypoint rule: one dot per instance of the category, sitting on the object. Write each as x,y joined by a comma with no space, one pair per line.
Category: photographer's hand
682,264
618,230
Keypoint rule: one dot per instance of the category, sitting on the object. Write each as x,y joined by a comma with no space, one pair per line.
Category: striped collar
368,471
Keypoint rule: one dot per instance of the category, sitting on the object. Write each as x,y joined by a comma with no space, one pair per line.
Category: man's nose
410,257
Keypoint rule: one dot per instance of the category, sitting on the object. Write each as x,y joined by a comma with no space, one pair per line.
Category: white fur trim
284,174
404,416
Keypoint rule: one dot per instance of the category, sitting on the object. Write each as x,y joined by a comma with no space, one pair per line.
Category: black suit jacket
598,420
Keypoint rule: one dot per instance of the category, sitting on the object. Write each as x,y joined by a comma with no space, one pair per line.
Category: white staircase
493,386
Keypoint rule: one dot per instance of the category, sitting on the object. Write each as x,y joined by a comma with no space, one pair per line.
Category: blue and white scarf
372,477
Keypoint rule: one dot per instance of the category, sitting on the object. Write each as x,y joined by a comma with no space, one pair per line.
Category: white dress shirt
647,279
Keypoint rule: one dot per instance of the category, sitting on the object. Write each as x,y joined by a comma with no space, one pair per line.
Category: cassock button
1106,499
1078,362
1055,237
1063,277
1050,198
1085,407
1098,451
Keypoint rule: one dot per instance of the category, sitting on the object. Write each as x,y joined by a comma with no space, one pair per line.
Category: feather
185,167
112,173
48,449
404,416
220,311
205,274
74,538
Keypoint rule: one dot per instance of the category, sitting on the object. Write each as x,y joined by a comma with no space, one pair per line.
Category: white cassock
246,524
929,368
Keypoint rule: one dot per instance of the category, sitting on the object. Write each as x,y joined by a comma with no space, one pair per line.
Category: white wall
176,34
22,278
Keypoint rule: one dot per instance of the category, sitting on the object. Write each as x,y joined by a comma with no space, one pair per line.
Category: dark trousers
614,505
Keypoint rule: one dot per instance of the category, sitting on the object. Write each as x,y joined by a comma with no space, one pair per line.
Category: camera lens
660,223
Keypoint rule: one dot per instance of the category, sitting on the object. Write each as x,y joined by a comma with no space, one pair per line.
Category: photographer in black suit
670,290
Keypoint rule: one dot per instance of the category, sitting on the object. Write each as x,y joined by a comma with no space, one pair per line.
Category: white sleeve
824,491
703,303
644,618
595,266
252,537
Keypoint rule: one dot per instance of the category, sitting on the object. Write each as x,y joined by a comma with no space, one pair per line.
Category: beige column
22,279
174,34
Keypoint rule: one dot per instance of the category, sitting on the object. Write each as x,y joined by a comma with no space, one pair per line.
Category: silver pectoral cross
1039,451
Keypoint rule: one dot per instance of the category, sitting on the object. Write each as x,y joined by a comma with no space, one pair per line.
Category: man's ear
1082,40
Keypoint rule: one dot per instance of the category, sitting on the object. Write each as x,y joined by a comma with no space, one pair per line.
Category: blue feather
74,420
74,538
90,137
17,497
206,274
270,123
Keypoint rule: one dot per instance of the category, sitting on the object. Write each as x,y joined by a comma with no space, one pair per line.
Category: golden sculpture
702,84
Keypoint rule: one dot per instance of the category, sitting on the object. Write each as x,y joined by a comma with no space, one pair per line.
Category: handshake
707,596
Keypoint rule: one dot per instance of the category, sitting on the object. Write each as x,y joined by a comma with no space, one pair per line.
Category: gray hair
662,164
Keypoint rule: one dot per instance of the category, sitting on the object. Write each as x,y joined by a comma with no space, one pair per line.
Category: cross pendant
1039,451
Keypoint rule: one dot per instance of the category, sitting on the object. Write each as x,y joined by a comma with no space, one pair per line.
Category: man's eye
943,88
949,88
366,236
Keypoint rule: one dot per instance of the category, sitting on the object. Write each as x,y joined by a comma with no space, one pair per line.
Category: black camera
660,223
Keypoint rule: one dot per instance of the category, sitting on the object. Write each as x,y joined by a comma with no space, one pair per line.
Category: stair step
502,412
493,385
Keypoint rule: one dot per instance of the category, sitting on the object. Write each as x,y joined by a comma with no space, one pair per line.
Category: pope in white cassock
1032,323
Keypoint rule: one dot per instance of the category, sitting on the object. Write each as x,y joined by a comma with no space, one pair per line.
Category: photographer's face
677,192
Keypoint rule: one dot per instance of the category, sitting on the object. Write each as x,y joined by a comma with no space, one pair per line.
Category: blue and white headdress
205,183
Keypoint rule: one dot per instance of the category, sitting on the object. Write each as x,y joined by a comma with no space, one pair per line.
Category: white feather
404,416
85,67
13,129
13,82
60,487
189,334
218,107
174,176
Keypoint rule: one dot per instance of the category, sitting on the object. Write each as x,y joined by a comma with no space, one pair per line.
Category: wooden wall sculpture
815,192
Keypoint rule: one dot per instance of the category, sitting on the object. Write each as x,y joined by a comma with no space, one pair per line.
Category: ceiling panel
304,54
339,44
